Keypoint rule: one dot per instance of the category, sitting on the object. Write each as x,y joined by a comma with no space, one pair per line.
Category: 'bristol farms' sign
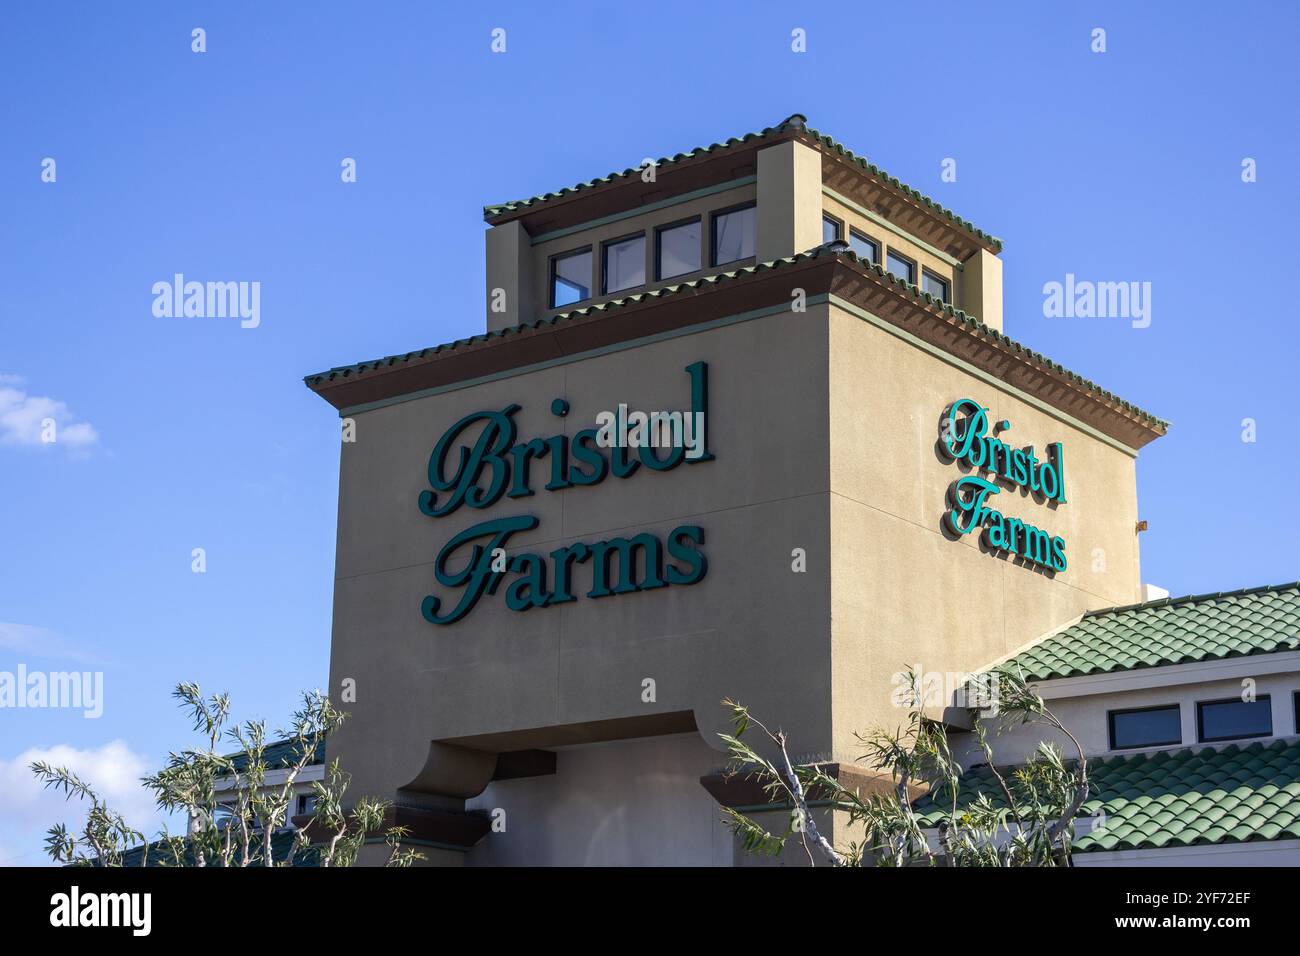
477,461
964,437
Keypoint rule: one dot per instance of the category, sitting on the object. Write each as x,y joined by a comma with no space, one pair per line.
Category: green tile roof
837,248
1203,627
797,122
281,843
279,755
1177,798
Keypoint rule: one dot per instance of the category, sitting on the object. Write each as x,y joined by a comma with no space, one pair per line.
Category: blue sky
1124,165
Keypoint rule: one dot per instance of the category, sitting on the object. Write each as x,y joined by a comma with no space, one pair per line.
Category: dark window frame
1200,719
1112,714
604,263
874,243
910,262
839,228
946,298
713,232
589,250
1295,711
667,227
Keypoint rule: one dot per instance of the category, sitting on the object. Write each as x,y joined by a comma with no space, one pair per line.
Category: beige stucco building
533,631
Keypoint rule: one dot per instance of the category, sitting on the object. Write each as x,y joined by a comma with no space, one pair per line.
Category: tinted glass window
625,264
898,266
934,285
1152,727
864,247
1230,719
733,235
679,249
830,229
570,278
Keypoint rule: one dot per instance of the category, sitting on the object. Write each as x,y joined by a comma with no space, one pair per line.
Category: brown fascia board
719,166
840,274
572,334
619,196
975,344
851,181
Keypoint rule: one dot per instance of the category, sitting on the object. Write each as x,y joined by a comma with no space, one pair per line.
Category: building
538,610
279,756
1188,709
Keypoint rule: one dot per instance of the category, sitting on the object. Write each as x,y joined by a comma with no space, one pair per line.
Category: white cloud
24,419
28,809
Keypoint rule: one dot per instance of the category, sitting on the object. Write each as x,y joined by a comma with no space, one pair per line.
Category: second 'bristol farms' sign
477,470
964,438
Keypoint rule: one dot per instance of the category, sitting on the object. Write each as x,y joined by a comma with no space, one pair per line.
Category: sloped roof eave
956,317
1169,631
795,125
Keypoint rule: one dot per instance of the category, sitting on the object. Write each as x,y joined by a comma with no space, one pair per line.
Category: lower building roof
1191,797
282,841
1201,627
280,754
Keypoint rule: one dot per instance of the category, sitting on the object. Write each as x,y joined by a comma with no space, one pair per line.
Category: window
677,249
1234,718
830,229
1295,712
224,816
733,235
306,804
932,284
570,278
1145,727
865,248
624,264
896,265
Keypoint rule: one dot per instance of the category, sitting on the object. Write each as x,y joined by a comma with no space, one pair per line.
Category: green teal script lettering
966,438
477,462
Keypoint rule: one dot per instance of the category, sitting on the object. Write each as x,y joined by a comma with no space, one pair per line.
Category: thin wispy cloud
28,640
38,420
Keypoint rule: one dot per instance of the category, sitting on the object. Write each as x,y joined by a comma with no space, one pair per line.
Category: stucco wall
824,429
1086,717
624,803
903,592
1270,853
751,629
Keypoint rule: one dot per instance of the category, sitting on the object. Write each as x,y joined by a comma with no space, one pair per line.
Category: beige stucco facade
903,592
587,726
823,427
